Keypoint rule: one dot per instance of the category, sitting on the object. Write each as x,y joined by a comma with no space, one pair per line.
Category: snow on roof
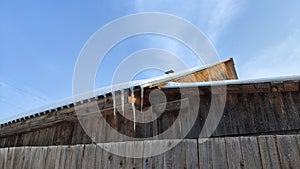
235,82
108,89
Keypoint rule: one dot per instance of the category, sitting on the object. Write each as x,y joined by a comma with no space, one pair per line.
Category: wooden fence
253,152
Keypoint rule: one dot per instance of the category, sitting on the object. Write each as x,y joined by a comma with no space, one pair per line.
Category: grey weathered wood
52,158
288,152
9,159
19,157
250,152
174,157
233,151
26,161
62,157
98,156
191,154
88,159
76,160
268,152
291,109
68,159
218,153
205,153
39,158
147,160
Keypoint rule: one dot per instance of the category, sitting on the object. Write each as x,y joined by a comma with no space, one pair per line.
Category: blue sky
40,41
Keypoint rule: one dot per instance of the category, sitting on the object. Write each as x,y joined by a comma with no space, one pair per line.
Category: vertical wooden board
100,138
26,139
218,153
205,153
9,159
250,152
147,160
138,152
51,157
155,146
296,99
26,162
62,157
111,130
291,110
18,157
248,110
98,156
157,161
68,133
233,151
191,154
268,113
51,134
106,156
233,112
40,156
288,151
193,118
298,141
220,129
35,138
68,156
228,129
279,111
117,161
259,117
240,116
32,158
88,159
174,157
268,152
77,153
129,152
78,133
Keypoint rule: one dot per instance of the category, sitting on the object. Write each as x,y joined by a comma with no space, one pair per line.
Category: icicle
114,103
133,108
142,98
104,95
122,102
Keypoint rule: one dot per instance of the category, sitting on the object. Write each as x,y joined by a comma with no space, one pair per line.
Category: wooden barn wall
268,152
221,71
244,114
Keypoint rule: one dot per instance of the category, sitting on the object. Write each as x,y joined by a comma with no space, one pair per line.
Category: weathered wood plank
68,156
26,162
39,158
288,152
88,159
218,153
76,160
291,110
98,156
18,157
191,154
234,154
250,152
205,153
52,157
268,152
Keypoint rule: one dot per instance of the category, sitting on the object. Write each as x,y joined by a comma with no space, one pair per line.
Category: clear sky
40,41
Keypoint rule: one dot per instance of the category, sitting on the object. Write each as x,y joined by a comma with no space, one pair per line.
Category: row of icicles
132,103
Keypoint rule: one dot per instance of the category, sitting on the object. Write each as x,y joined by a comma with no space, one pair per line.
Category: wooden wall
269,152
222,71
247,112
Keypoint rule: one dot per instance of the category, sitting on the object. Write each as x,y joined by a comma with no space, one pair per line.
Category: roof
69,102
